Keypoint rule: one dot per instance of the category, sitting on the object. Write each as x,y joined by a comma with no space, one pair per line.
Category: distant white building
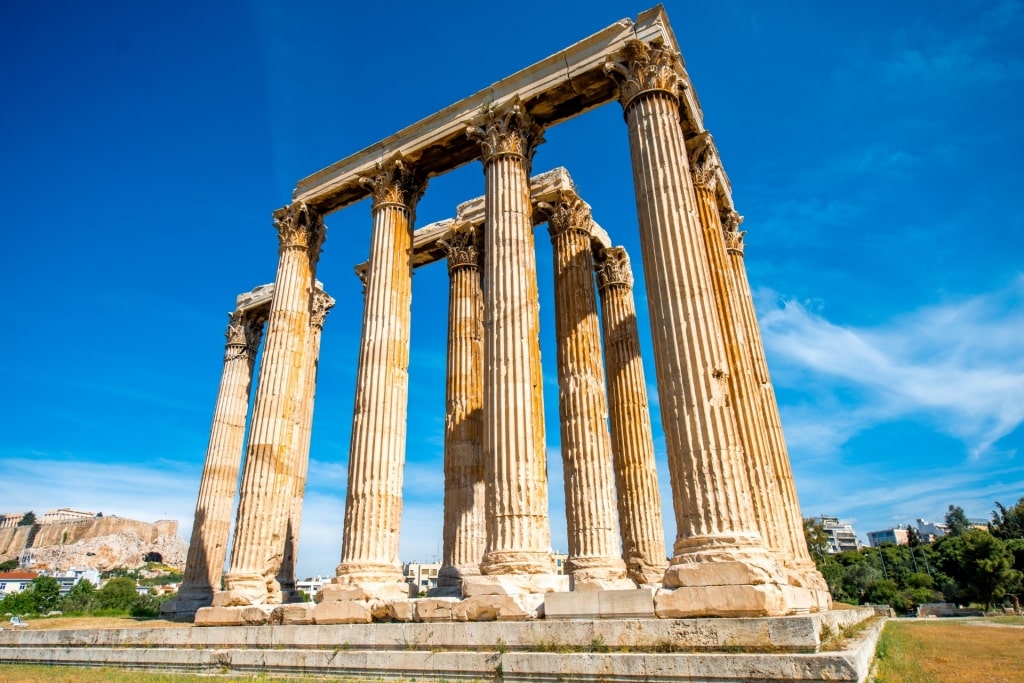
312,586
423,575
899,535
69,578
15,582
839,536
930,531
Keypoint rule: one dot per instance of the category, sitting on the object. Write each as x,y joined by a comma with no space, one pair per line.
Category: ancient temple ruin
739,548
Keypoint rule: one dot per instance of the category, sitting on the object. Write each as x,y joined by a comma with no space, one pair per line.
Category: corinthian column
636,472
373,506
518,533
321,305
212,526
271,460
803,571
719,565
594,560
745,402
465,534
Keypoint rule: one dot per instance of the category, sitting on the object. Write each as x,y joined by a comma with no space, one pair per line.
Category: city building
930,531
839,536
312,586
900,535
423,575
15,582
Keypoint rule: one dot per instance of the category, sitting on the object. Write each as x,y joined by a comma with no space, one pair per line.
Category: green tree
28,520
45,592
817,539
956,521
81,598
981,565
8,565
118,594
18,603
1008,523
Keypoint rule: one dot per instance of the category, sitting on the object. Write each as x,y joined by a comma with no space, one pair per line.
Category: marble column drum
271,461
321,305
803,570
211,527
594,561
636,471
373,506
518,531
719,565
465,536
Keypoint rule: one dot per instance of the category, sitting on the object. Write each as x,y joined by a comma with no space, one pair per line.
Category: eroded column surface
373,506
636,472
271,460
518,532
211,527
719,565
321,305
594,560
465,533
803,571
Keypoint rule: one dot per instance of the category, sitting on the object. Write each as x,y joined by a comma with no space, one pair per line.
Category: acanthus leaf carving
461,247
506,130
568,212
648,67
321,306
612,268
731,230
395,181
300,226
704,161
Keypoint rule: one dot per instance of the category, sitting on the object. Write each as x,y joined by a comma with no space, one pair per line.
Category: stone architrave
465,531
518,532
211,527
636,472
594,560
321,305
802,566
719,565
373,505
764,491
271,461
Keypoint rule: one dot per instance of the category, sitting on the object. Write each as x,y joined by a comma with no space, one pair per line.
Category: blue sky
873,148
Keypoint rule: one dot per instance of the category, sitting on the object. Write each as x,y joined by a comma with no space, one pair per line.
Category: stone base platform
798,648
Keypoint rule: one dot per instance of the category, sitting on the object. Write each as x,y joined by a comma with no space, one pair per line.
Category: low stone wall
770,649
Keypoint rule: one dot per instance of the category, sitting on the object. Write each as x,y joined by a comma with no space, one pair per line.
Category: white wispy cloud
958,365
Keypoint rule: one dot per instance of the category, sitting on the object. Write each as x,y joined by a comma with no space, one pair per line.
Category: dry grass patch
93,623
948,651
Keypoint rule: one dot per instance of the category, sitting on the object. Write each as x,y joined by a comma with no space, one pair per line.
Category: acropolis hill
65,539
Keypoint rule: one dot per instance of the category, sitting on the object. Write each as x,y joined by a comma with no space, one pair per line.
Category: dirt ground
91,623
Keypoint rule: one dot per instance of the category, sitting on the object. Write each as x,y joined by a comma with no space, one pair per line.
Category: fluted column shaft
518,532
590,511
789,517
465,534
211,529
271,466
636,472
745,402
322,303
373,505
709,483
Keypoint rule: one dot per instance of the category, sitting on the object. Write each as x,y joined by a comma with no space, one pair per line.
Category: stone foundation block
765,600
237,598
299,613
401,610
392,590
436,609
581,585
342,612
231,616
720,573
635,603
514,584
500,608
585,605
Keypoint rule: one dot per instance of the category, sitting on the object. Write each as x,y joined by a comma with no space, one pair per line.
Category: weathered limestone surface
212,525
593,528
715,530
518,535
373,505
465,529
268,480
320,306
636,472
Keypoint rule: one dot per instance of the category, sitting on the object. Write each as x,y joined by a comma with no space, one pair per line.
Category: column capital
647,68
569,212
731,229
300,226
245,329
322,304
704,161
613,269
506,130
462,248
395,181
